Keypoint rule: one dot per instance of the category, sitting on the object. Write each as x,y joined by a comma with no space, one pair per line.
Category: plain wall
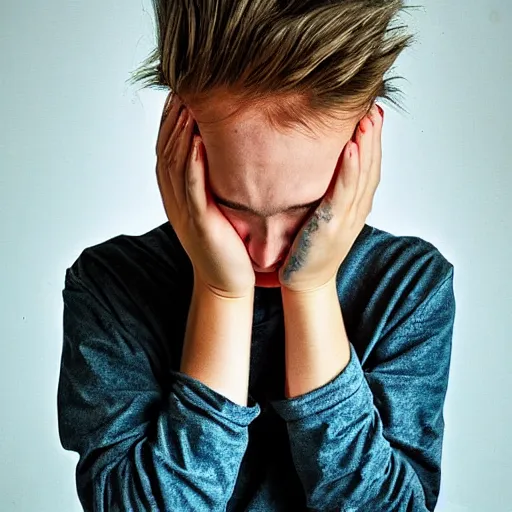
77,166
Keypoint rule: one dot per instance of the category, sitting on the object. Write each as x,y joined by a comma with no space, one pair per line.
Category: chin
267,280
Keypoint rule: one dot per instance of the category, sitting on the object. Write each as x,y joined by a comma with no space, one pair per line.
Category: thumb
196,190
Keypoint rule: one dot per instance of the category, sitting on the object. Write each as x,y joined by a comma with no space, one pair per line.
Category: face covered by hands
326,238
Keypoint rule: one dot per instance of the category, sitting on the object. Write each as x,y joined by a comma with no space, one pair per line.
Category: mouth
265,271
273,268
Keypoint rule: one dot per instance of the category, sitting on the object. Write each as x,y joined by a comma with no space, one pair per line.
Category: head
276,90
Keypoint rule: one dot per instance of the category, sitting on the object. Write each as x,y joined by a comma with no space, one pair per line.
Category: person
264,349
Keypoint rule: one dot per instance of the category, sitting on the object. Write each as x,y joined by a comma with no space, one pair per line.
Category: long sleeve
371,440
148,438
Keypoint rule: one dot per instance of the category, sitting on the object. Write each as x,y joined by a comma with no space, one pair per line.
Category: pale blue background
77,166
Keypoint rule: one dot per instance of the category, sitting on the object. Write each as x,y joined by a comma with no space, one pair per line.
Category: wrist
202,288
314,295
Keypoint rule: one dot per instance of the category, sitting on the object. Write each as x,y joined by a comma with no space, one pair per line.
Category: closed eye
237,207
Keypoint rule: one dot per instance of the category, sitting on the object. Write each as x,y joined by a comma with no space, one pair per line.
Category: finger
165,113
170,114
178,149
166,161
364,139
164,184
167,106
165,187
162,166
374,173
196,190
346,182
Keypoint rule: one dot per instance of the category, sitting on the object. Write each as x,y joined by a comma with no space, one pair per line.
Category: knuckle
192,181
376,117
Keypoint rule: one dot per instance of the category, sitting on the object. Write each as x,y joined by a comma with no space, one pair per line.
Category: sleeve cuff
342,387
197,394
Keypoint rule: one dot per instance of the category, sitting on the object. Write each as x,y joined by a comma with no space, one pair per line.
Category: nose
268,251
266,270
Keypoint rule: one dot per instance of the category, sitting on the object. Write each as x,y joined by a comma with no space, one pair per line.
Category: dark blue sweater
152,439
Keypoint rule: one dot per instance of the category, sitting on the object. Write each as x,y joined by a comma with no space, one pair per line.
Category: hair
302,63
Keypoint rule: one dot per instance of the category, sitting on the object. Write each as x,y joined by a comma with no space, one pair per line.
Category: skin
268,171
316,343
298,258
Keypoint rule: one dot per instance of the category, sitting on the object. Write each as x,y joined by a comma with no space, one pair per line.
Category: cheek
242,226
245,227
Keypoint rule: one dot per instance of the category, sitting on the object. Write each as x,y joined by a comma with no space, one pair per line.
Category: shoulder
134,268
407,265
390,285
156,252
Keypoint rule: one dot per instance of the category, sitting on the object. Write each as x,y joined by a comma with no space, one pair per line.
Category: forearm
316,344
218,342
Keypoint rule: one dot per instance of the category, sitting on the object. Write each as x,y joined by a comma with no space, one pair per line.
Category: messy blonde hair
302,63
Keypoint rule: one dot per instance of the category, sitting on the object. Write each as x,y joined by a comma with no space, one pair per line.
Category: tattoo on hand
298,258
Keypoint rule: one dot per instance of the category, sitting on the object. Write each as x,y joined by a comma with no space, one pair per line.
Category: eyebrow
238,206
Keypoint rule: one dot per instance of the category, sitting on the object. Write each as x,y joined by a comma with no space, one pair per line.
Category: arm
316,344
218,342
143,443
369,440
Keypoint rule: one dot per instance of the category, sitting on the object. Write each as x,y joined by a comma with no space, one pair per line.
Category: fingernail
167,105
381,111
196,149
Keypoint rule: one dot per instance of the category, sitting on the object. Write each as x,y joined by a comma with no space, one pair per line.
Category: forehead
251,163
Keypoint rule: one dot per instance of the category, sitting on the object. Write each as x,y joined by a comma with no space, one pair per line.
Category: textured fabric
150,438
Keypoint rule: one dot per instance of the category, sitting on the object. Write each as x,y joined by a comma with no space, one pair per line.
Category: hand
327,236
218,255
